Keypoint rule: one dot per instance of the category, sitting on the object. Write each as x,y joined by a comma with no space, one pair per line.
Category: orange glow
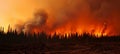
61,16
67,30
18,11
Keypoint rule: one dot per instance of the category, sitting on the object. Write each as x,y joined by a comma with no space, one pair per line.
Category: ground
62,48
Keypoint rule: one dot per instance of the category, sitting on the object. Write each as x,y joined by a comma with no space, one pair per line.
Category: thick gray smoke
39,21
76,12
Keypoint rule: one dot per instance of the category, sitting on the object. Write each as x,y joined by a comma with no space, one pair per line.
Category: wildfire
98,31
62,17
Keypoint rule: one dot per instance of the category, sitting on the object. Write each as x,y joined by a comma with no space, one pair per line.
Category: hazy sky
80,12
14,11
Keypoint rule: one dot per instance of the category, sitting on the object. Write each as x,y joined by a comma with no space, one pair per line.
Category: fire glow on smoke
99,17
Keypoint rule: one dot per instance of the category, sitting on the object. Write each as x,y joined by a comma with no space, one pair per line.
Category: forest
42,43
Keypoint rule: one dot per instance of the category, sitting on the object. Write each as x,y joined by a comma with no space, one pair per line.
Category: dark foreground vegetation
14,43
14,37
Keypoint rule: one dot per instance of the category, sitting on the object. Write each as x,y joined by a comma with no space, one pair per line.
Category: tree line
13,37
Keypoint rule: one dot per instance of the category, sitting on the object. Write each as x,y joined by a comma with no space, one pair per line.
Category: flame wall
62,16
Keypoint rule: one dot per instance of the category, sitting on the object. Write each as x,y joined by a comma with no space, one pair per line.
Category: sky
17,11
60,13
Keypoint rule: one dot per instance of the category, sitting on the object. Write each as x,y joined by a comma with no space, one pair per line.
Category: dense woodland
13,37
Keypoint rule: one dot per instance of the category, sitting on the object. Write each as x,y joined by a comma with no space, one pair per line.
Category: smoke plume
69,16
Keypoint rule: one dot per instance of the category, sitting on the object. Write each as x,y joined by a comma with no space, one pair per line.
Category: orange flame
98,31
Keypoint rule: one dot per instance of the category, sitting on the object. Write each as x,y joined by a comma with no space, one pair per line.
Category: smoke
39,21
74,16
107,11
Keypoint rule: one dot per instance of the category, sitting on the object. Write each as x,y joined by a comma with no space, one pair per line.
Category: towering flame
98,17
